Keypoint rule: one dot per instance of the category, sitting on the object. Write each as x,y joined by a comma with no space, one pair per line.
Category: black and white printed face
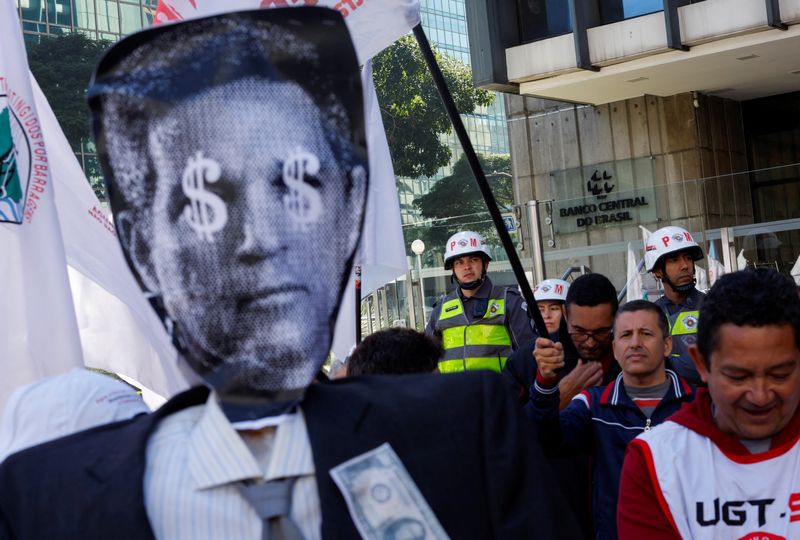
253,221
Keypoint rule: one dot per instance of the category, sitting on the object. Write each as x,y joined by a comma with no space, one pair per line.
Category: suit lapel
117,473
340,426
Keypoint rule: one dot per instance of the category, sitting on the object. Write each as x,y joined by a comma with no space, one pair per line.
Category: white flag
382,255
715,268
795,271
741,261
634,279
701,278
373,24
119,331
38,330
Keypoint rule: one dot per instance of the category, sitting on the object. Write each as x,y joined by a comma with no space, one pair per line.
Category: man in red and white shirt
728,464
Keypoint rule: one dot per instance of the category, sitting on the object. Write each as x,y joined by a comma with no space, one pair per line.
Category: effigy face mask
233,148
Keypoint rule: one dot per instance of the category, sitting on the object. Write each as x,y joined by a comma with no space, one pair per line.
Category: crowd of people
670,419
724,370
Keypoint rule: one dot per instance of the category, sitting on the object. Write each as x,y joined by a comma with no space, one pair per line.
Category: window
33,10
108,17
131,18
59,12
85,16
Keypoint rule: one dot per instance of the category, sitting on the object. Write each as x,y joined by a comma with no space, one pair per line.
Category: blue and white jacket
600,421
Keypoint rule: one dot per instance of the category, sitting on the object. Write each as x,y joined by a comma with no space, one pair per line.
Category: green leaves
63,66
455,203
412,111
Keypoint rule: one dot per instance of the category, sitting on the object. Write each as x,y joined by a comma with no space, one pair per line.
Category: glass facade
772,127
98,19
445,25
543,19
616,10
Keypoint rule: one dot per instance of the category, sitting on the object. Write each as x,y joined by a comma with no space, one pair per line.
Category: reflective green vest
683,323
482,344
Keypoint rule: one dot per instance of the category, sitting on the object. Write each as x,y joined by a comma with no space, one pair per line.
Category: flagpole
480,178
358,303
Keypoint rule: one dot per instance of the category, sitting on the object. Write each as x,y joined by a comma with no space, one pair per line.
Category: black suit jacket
460,437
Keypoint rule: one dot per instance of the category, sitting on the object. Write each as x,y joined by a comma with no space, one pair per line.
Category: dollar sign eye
278,183
313,181
206,212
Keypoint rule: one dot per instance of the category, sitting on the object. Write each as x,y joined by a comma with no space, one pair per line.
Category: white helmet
464,243
669,240
551,289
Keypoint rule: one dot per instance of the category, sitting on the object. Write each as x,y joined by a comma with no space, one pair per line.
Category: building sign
607,194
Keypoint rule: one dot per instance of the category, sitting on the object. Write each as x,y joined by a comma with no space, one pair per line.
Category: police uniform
683,319
481,331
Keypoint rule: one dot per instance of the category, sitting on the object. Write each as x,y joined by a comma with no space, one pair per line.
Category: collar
615,394
484,291
692,300
217,454
697,417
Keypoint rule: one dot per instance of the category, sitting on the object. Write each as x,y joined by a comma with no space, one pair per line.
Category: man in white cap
479,324
670,254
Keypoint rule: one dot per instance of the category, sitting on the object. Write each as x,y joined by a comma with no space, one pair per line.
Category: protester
591,304
395,351
602,420
726,466
64,404
551,295
249,289
670,253
479,324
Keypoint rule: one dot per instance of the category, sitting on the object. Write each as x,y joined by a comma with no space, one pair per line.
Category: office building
98,19
631,114
445,25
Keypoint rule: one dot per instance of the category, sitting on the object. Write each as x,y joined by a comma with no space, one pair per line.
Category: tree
63,66
455,203
412,111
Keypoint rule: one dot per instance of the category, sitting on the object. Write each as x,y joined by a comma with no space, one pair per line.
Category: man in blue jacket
602,420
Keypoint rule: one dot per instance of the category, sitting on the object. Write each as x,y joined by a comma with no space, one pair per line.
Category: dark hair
147,74
395,351
592,290
753,297
644,305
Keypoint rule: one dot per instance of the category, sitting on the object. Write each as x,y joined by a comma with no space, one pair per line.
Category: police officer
670,253
479,324
551,295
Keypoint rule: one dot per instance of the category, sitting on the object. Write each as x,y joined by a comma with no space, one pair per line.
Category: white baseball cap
57,406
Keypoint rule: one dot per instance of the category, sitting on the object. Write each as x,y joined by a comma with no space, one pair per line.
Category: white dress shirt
195,461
